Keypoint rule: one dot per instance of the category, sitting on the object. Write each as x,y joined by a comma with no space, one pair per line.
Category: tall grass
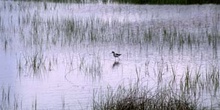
33,65
140,98
7,101
40,33
91,67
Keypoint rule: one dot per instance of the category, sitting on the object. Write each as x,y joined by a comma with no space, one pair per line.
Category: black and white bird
116,55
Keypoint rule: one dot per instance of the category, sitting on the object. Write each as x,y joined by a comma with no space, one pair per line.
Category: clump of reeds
92,67
136,98
33,64
7,102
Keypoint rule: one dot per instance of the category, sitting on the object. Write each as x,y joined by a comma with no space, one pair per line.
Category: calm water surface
57,56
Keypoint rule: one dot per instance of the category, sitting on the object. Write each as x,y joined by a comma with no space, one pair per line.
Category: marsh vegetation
58,56
181,2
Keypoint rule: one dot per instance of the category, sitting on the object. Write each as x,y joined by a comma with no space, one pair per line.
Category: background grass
183,2
168,1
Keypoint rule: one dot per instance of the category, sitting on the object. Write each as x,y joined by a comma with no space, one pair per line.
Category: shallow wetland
58,55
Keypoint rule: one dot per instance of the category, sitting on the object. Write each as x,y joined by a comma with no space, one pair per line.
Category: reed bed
37,32
140,98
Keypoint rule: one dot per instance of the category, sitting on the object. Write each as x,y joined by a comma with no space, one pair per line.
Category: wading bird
116,55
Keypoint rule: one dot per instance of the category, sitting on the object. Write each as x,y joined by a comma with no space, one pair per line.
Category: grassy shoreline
159,2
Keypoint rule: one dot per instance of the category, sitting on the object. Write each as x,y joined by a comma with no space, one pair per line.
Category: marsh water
58,55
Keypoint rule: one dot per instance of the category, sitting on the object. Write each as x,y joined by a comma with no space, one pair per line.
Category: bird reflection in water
115,64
